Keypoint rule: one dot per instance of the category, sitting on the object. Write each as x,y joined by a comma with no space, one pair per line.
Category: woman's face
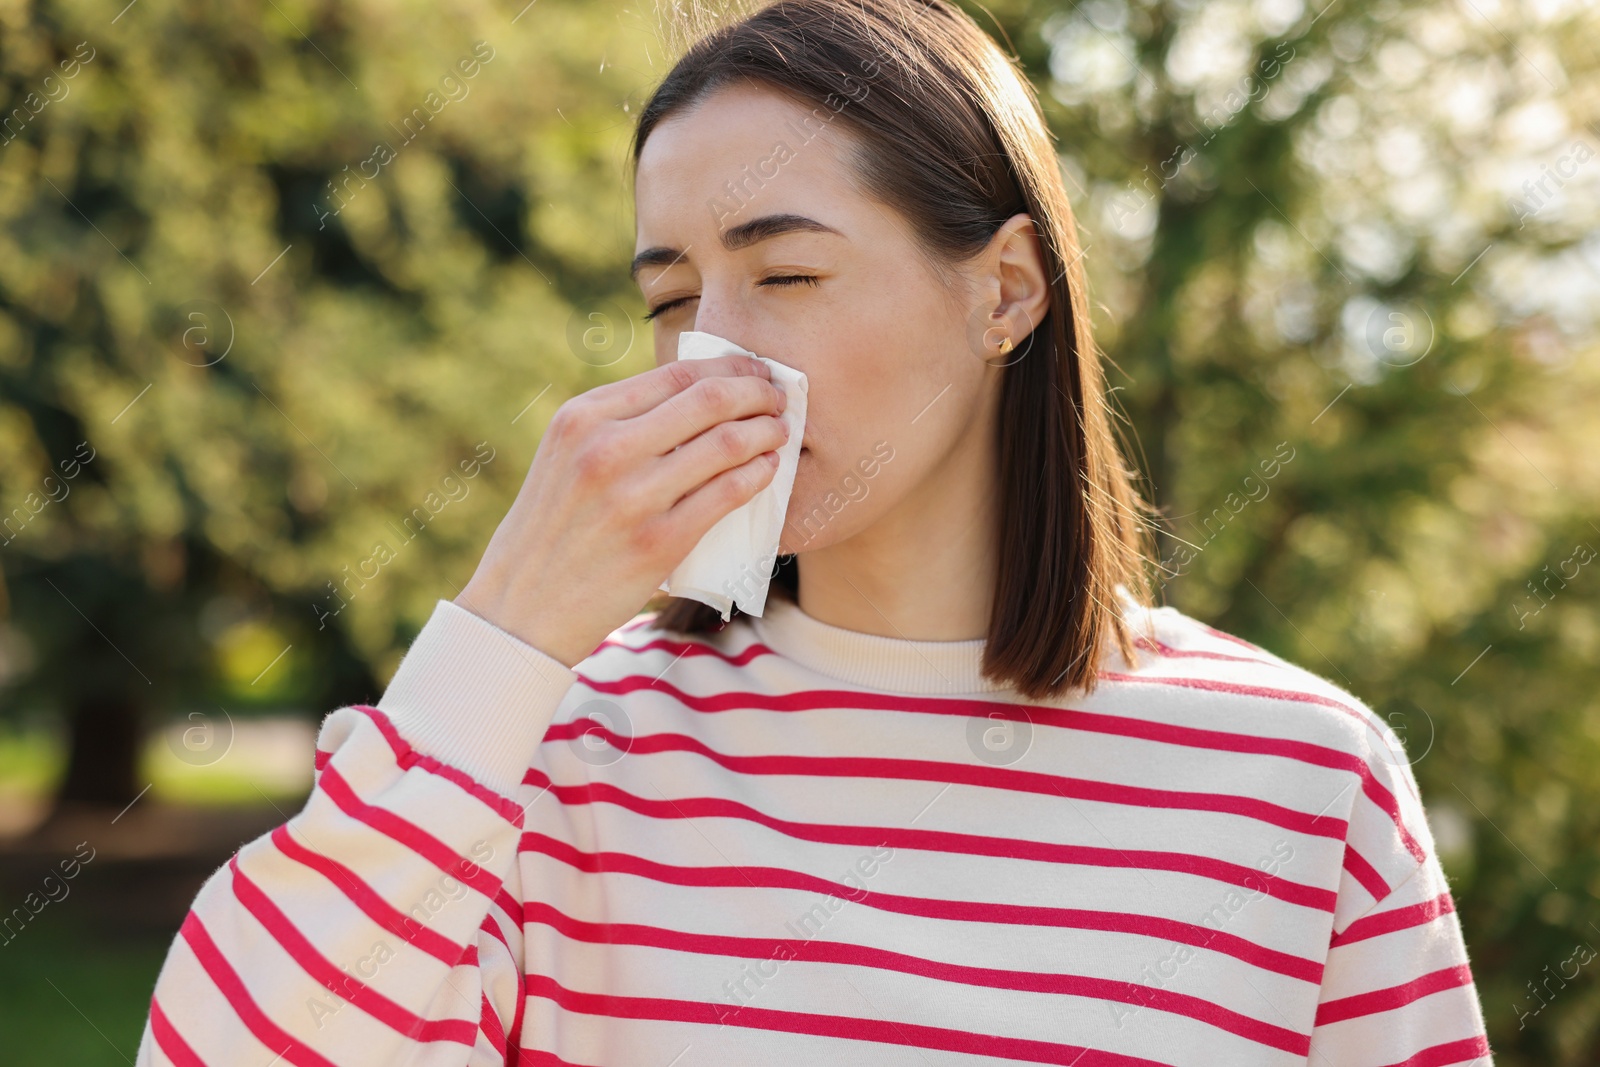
897,381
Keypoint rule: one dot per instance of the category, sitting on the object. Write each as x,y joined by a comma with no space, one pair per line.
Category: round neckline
893,664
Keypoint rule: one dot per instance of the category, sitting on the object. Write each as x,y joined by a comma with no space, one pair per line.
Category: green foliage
306,305
1285,212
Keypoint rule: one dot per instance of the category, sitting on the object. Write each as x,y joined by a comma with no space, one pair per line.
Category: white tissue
733,562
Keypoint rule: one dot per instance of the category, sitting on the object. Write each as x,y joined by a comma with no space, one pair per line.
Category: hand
627,479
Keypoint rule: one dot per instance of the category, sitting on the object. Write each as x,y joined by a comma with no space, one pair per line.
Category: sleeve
382,922
1397,987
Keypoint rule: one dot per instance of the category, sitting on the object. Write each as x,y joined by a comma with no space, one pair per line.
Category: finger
703,508
726,446
634,396
699,409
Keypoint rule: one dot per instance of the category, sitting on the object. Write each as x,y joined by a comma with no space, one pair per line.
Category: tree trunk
102,751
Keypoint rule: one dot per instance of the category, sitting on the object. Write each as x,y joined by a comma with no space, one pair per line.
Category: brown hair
950,134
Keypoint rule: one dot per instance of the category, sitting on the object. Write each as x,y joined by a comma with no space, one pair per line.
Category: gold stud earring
1005,345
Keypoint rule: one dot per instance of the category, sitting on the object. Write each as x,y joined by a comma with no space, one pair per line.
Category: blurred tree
1348,260
282,310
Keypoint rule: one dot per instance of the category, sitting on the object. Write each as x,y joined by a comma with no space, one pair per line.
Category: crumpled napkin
734,562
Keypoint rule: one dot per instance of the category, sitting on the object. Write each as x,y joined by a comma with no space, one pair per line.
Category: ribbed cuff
473,696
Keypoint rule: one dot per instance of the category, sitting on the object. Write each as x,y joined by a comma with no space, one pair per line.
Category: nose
724,327
717,312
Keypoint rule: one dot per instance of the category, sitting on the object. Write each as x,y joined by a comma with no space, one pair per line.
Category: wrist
489,602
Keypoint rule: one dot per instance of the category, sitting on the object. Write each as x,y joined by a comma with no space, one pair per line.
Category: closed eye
783,279
790,279
668,306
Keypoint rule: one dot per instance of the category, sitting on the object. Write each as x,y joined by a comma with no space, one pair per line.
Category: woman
958,795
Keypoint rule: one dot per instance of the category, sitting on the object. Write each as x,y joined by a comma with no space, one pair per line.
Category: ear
1016,285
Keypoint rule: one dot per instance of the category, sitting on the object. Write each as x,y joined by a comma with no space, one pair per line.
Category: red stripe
509,906
1468,1050
1165,650
341,983
418,840
1229,637
691,648
367,899
1390,808
407,757
168,1040
806,700
754,650
493,1025
1393,997
820,951
757,649
883,1031
952,910
320,760
227,981
1365,873
492,928
947,841
514,1037
538,1057
489,1025
1399,919
1003,778
1065,718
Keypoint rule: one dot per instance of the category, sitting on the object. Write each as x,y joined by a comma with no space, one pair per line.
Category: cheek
868,389
830,501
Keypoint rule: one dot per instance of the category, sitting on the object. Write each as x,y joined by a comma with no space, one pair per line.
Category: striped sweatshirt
793,843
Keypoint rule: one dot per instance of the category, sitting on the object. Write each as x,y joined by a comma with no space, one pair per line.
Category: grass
68,998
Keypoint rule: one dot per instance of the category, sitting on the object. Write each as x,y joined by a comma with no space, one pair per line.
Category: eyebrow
742,236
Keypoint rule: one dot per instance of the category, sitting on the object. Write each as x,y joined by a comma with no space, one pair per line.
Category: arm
383,920
384,917
1397,988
